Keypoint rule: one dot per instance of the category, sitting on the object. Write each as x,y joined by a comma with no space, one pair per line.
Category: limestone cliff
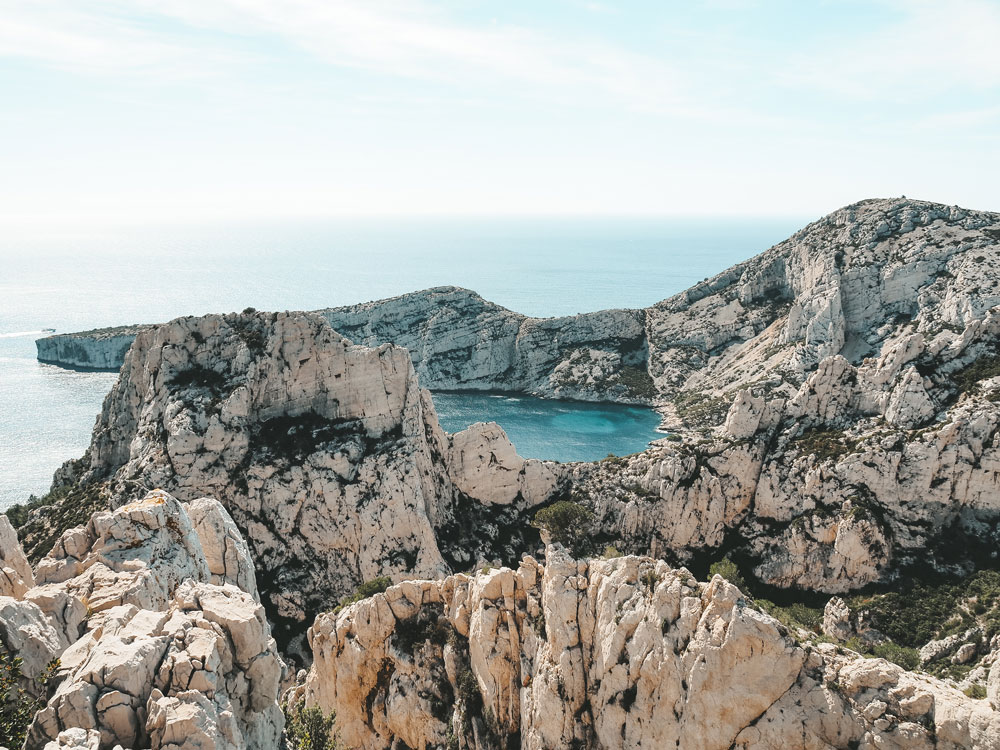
102,349
328,455
619,653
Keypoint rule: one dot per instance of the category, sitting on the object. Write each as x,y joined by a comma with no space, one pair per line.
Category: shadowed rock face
608,654
328,456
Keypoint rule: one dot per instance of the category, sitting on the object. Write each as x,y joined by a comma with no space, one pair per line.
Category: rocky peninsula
836,407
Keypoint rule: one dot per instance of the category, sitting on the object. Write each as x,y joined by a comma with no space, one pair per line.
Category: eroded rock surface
160,644
617,653
329,456
15,572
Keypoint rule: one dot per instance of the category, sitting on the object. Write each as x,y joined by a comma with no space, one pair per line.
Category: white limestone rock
147,676
136,555
26,632
614,653
837,620
226,552
15,572
328,456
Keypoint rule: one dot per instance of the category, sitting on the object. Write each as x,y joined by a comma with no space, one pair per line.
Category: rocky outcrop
458,340
102,349
15,572
160,645
614,653
200,673
328,455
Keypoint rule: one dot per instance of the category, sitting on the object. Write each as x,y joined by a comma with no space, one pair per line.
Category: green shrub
17,705
309,729
977,691
65,507
795,615
906,657
729,570
366,589
967,379
568,524
823,444
927,611
638,382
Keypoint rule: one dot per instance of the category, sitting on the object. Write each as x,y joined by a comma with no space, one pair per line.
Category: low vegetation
366,589
699,410
17,704
968,378
569,524
309,728
66,507
824,444
638,382
930,611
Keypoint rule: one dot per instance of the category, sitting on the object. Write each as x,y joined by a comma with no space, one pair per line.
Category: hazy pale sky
227,109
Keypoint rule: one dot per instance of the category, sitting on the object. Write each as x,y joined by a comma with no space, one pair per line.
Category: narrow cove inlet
553,429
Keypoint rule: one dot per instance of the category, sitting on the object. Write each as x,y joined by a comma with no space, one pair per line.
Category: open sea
539,267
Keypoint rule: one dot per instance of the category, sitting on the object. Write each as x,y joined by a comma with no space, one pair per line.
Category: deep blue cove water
540,267
553,430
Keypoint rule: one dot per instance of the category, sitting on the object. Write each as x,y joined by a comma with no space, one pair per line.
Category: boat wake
18,334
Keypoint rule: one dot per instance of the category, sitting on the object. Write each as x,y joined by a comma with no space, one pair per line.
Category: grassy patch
824,444
64,508
967,378
697,409
366,589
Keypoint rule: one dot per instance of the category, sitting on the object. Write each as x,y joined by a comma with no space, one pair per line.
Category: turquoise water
540,267
554,430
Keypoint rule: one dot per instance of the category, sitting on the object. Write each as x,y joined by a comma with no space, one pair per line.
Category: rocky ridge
617,653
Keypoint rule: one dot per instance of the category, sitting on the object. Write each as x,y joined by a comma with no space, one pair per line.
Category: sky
141,111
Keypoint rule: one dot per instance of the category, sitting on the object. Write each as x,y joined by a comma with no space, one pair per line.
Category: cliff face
329,456
153,613
841,427
618,653
458,340
851,284
103,349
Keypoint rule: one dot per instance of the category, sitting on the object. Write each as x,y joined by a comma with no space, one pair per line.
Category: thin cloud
410,40
933,48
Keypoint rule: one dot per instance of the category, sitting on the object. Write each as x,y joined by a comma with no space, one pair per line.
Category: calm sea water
539,267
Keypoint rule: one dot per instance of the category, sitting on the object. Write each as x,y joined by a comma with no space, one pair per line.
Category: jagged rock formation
152,654
329,456
15,572
614,653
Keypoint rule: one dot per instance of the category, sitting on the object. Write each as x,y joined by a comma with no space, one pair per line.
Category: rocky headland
835,406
